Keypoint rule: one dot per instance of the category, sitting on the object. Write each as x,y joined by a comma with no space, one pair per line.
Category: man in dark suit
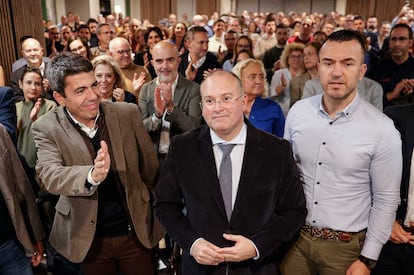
197,61
236,231
169,103
98,158
397,254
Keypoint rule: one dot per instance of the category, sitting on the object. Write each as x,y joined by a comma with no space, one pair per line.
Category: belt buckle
345,237
326,234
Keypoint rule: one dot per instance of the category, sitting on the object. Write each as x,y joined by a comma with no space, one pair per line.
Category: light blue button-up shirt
351,166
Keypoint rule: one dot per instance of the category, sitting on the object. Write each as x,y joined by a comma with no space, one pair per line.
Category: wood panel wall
156,10
18,18
207,7
383,9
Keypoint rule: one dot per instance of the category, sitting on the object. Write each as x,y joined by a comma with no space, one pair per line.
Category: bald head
165,61
117,42
120,51
32,51
165,45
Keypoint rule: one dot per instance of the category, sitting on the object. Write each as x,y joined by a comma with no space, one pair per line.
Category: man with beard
351,203
272,55
396,73
169,103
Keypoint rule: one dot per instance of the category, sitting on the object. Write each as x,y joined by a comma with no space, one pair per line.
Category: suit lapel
114,130
179,90
251,162
74,137
208,168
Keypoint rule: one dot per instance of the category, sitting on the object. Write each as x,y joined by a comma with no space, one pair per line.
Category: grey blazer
63,165
186,114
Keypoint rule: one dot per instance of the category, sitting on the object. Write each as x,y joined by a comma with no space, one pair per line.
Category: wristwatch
368,262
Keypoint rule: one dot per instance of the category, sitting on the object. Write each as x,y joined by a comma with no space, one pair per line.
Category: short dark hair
270,19
29,69
404,26
348,35
83,26
282,26
63,65
91,20
218,21
359,17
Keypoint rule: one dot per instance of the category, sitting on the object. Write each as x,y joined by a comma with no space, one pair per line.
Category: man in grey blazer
169,103
97,156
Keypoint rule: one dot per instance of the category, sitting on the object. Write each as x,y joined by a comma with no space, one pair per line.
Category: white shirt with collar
90,132
164,142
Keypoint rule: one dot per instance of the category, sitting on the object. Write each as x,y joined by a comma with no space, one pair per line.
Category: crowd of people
239,144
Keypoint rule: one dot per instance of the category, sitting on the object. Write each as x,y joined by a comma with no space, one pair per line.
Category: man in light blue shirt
350,159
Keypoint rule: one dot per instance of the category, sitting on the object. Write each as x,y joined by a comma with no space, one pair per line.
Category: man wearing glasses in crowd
120,50
105,34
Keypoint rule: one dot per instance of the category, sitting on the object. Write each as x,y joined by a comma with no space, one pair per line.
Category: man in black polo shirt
396,73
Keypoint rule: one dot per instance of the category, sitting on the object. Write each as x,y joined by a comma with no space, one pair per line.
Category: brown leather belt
329,234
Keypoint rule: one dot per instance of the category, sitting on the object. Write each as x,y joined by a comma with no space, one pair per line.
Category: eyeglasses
225,101
401,38
121,52
74,50
296,56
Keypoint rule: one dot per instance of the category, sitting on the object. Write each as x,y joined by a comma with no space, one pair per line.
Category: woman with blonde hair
291,62
310,62
111,80
263,113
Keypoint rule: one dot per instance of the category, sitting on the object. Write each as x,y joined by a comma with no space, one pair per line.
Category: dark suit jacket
185,116
269,208
209,63
8,111
403,117
18,195
63,165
